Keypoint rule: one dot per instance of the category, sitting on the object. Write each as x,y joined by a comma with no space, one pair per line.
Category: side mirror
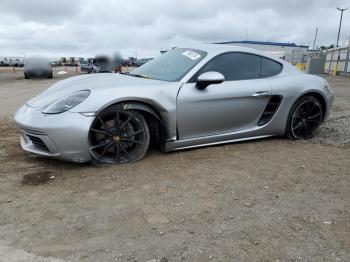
209,78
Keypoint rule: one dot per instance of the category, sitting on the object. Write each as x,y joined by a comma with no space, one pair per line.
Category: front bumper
63,136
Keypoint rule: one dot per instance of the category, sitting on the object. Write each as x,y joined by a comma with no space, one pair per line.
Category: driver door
234,105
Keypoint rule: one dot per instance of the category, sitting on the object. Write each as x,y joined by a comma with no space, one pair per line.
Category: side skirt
200,142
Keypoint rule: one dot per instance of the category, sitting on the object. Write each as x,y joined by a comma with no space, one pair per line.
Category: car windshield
171,66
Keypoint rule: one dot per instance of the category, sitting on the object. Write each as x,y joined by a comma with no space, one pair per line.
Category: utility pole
341,18
313,47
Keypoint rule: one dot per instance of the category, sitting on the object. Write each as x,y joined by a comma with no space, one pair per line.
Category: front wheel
118,136
304,118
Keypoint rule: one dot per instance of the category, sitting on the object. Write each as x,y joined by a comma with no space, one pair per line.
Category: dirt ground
265,200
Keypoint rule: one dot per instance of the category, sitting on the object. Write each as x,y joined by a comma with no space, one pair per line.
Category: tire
304,118
118,136
51,75
26,76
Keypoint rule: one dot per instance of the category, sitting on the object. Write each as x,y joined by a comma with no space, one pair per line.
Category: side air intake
38,143
270,110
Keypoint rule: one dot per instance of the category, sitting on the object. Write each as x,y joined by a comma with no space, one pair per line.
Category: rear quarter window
269,67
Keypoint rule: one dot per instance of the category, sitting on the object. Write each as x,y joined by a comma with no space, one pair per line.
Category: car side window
234,66
269,67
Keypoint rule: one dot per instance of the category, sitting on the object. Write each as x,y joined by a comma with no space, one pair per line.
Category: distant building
290,52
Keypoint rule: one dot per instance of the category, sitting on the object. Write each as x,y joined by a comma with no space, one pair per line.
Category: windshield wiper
140,76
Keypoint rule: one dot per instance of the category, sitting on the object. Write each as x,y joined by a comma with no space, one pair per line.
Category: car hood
90,82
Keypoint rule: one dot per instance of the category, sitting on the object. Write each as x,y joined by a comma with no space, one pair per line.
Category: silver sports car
185,98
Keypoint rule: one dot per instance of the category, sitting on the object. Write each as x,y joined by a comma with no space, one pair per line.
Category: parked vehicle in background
5,62
108,63
102,64
37,67
18,62
72,61
131,62
89,66
142,61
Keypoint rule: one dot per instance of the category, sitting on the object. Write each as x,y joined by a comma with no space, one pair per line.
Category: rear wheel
26,76
304,118
118,136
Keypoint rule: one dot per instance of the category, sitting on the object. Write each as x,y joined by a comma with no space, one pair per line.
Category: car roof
215,49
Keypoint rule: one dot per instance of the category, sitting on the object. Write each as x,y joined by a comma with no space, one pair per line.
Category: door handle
261,93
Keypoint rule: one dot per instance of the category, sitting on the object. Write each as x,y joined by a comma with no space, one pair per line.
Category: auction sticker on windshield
191,55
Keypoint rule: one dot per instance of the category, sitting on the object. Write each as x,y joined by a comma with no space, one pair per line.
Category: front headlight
66,103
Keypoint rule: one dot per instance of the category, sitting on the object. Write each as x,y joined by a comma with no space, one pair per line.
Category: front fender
142,107
158,100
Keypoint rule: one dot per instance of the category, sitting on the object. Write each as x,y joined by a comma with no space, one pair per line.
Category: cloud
82,28
42,11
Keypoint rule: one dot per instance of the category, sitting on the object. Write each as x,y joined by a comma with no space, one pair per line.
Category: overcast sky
143,27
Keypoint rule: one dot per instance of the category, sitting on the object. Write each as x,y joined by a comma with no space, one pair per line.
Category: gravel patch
336,130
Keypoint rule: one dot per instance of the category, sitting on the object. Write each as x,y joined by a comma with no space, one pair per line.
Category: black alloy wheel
118,136
305,118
